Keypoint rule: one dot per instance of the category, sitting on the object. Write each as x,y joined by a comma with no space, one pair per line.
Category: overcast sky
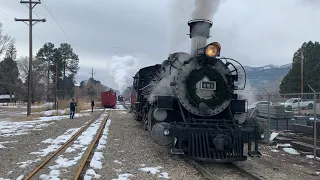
135,33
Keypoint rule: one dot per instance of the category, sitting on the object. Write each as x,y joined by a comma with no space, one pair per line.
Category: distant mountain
265,75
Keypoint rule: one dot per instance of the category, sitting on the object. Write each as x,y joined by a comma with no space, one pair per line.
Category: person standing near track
72,108
92,104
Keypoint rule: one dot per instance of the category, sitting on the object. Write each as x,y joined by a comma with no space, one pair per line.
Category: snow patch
8,129
56,143
290,151
124,177
54,174
312,157
91,174
116,161
28,162
5,142
155,170
20,177
273,135
82,143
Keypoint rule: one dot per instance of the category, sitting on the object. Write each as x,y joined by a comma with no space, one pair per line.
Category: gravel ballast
16,160
131,153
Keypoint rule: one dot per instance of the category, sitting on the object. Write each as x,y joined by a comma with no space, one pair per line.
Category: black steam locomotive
120,98
189,102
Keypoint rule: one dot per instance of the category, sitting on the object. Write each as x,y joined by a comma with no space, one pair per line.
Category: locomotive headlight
213,49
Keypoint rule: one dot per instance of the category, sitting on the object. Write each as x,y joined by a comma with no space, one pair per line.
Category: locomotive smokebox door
165,102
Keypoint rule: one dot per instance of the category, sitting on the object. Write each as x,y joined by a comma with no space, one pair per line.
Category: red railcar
109,99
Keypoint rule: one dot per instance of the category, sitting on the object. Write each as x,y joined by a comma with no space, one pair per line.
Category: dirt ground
289,165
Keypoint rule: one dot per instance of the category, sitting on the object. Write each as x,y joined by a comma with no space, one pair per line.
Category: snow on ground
54,144
273,135
290,151
20,128
155,170
6,142
89,110
96,162
24,105
81,144
152,170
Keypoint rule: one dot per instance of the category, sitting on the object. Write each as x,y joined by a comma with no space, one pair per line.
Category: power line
56,22
45,25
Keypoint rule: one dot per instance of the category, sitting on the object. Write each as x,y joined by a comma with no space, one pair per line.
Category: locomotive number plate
208,85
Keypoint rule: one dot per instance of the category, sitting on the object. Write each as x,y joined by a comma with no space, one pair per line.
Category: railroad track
124,105
86,158
211,171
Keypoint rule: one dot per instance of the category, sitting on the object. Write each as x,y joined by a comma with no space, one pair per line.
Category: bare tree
38,76
4,40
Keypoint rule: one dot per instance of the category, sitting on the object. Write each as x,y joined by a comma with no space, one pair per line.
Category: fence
293,117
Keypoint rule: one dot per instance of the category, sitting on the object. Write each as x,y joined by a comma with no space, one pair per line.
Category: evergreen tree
9,72
70,63
311,65
46,54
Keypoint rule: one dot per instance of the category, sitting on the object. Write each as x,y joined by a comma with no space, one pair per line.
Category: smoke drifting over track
122,69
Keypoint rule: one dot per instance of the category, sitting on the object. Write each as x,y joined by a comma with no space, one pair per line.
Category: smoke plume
182,11
205,9
122,70
249,93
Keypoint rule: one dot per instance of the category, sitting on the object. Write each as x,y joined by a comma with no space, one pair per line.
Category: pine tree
9,72
311,65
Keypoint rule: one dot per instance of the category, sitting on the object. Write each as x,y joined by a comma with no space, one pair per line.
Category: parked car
254,105
294,103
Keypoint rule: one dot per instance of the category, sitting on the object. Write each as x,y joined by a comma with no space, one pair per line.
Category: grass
64,105
26,118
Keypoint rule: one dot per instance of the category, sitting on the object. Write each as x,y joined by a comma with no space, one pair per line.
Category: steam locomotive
190,102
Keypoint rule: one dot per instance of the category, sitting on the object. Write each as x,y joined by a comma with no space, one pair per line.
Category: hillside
266,76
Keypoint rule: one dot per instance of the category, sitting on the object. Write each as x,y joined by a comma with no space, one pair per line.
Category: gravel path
130,153
26,149
280,165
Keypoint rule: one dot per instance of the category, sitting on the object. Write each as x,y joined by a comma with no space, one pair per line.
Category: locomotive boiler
190,102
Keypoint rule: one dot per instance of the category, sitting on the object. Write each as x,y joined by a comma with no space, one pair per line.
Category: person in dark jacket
72,108
92,104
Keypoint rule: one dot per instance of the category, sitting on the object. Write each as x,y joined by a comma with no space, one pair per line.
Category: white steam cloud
205,9
249,93
182,11
122,70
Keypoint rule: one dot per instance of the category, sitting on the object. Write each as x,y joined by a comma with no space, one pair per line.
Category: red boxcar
109,99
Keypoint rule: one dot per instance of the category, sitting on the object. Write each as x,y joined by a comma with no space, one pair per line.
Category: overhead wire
61,28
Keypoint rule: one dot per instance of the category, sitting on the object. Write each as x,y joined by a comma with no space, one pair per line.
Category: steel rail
90,150
35,170
207,174
246,173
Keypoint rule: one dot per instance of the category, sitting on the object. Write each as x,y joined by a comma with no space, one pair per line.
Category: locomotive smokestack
199,33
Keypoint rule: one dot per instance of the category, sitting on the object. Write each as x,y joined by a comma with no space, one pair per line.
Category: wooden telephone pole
302,58
32,22
92,83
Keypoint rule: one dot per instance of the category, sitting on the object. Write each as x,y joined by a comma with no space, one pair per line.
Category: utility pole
32,22
92,83
56,94
302,58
